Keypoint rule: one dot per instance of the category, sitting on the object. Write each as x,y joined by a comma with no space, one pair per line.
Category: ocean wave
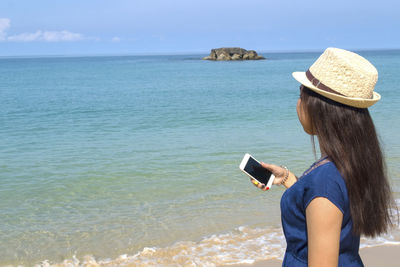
242,245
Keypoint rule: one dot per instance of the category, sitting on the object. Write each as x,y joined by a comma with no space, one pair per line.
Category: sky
102,27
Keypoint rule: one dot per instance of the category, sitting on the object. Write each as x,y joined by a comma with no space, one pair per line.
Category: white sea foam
242,245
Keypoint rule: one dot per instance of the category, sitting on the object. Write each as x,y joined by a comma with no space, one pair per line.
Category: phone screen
257,171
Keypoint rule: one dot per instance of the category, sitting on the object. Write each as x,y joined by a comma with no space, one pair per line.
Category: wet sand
387,255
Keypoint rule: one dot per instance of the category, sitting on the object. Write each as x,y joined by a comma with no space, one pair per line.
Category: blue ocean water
106,156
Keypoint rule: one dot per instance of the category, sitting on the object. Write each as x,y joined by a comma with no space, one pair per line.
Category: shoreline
371,256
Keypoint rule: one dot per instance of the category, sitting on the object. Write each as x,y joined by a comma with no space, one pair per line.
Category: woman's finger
256,183
276,170
271,167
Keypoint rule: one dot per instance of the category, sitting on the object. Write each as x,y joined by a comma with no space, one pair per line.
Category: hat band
317,83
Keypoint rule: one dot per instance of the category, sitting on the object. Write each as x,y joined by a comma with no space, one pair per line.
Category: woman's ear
310,125
304,118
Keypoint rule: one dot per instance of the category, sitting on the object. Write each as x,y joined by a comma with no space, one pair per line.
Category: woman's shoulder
326,181
325,174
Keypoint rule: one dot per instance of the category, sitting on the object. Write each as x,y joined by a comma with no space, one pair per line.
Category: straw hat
342,76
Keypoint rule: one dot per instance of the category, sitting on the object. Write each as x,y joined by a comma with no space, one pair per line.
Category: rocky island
233,53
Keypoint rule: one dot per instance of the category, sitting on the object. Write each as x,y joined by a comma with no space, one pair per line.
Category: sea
134,160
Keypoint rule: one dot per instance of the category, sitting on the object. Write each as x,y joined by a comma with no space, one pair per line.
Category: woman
346,193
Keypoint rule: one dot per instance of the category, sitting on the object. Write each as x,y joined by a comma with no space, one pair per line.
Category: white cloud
116,39
4,25
47,36
62,36
44,36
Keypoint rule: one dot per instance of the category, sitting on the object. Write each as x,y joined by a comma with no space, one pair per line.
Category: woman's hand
279,173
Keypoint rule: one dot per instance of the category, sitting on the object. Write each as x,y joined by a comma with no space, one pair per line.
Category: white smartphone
253,168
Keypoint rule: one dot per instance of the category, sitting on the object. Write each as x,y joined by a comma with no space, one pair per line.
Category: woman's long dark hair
348,136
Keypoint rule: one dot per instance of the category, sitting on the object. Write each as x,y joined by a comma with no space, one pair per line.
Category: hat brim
350,101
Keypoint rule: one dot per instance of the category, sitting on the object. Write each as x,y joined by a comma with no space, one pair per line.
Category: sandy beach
371,256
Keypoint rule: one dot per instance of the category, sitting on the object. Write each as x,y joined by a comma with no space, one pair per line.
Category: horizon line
177,53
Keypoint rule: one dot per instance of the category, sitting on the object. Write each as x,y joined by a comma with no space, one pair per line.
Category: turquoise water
106,156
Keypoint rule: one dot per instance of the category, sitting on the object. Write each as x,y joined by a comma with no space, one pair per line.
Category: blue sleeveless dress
322,181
